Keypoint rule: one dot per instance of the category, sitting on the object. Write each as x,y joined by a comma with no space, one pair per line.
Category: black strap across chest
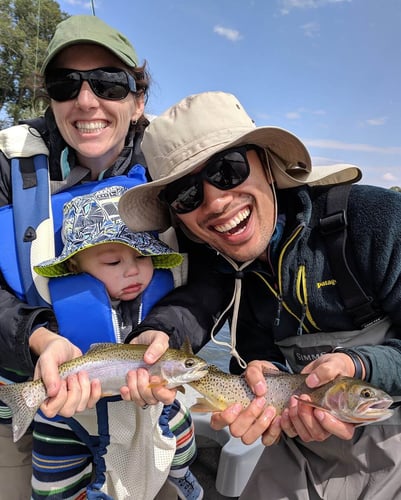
333,226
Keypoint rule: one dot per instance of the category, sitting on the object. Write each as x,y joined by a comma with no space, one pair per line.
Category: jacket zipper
302,296
300,290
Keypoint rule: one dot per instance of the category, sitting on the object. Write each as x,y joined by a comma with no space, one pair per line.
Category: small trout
109,363
348,399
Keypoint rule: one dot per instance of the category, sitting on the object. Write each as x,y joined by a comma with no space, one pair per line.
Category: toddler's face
124,272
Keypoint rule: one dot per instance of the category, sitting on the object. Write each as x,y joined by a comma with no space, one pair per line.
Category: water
216,354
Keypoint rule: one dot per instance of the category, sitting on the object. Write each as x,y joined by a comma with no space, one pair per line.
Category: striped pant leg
181,425
62,464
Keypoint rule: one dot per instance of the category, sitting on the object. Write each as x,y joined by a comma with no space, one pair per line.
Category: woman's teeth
90,126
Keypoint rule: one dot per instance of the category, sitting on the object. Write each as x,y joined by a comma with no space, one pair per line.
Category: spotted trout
348,399
109,363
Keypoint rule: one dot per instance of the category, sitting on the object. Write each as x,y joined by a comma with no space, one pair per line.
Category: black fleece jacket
297,293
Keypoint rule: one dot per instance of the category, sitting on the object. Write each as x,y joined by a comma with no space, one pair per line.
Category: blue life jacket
81,303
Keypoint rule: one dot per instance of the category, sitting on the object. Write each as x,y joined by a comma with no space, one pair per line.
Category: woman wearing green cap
90,132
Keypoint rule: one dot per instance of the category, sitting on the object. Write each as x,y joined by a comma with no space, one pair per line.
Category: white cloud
311,30
80,3
230,34
377,121
294,115
343,146
388,176
287,5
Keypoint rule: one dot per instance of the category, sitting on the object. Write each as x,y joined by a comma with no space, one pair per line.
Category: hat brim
162,255
83,40
141,209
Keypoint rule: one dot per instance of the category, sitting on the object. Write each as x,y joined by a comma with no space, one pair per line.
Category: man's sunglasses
225,170
63,84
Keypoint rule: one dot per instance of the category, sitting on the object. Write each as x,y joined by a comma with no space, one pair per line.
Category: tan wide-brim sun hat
186,135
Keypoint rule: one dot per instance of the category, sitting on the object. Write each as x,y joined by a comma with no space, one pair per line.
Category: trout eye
189,363
367,393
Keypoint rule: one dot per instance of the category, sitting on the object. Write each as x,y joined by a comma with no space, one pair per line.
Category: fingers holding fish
328,367
314,424
158,343
51,406
221,419
286,424
53,350
250,423
334,426
255,376
304,422
264,425
272,435
146,389
76,394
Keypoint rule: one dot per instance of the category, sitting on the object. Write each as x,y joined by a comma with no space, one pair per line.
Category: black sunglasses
225,170
63,84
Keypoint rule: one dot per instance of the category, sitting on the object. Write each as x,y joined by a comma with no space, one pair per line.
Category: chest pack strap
333,227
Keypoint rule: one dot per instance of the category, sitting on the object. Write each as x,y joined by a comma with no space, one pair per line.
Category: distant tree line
26,27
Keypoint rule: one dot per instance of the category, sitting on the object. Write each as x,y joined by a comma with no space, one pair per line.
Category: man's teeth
234,222
90,126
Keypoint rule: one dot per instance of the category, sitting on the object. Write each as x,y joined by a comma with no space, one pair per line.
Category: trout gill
348,399
109,363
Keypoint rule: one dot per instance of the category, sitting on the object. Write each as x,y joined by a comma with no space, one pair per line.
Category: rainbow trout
348,399
109,363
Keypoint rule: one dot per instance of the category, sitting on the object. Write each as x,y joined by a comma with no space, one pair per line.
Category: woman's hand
141,387
65,397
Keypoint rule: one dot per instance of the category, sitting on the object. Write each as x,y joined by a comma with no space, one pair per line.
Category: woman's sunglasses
225,170
63,84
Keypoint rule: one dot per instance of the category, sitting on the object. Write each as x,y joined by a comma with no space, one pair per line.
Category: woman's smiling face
95,128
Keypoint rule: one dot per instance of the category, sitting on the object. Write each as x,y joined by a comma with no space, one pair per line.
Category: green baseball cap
89,29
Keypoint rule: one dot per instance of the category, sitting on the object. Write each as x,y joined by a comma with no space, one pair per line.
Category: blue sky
327,70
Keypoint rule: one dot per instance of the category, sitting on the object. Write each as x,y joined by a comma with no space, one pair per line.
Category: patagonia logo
306,355
321,284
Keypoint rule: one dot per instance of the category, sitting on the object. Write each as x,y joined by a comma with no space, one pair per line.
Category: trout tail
23,411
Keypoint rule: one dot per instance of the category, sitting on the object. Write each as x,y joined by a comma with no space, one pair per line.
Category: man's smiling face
238,222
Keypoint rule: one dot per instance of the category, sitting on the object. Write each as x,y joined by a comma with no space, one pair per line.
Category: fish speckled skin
110,364
348,399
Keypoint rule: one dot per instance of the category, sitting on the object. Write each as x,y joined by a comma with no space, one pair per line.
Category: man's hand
312,424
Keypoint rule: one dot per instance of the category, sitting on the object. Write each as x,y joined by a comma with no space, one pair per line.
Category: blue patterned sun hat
93,219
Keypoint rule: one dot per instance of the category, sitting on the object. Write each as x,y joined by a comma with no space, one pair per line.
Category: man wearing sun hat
247,198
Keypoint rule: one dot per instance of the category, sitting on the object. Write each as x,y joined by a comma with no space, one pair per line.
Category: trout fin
187,348
162,383
100,346
203,406
310,403
15,396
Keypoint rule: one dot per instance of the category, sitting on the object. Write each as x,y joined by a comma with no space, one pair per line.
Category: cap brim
80,41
